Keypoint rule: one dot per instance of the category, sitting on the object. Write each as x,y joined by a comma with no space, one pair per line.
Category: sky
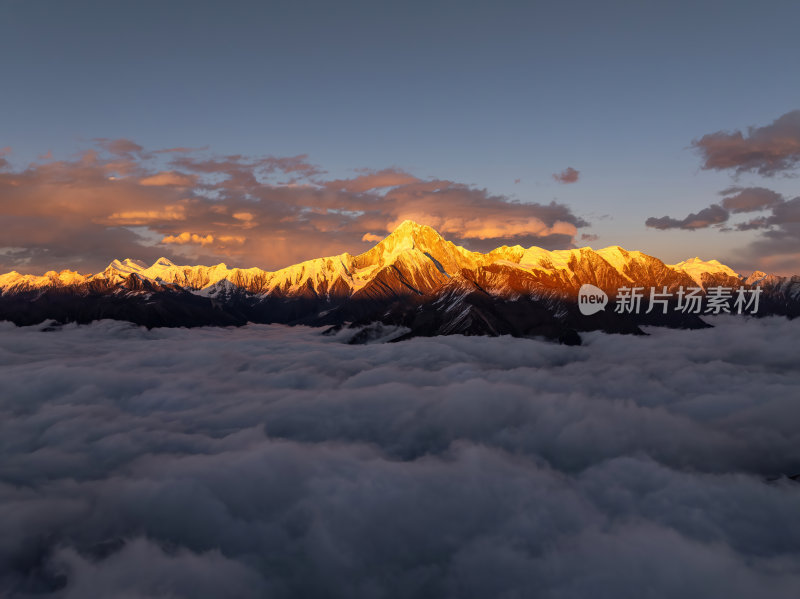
300,129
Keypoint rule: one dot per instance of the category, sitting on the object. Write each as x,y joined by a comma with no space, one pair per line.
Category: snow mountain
414,278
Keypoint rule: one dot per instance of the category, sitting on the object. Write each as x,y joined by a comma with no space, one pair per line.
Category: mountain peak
407,224
127,265
410,238
413,228
163,262
696,267
409,235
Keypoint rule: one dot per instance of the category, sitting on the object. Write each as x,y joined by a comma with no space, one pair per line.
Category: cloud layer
274,462
737,200
713,215
767,150
778,247
120,200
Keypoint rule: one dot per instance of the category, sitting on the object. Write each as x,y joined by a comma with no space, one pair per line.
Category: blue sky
477,93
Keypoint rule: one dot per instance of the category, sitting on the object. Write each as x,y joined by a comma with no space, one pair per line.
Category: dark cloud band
767,150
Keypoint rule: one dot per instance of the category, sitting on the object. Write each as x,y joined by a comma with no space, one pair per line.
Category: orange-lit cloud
145,217
118,201
187,237
168,178
231,239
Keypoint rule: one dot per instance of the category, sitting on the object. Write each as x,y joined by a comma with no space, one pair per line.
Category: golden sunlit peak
411,234
410,225
414,230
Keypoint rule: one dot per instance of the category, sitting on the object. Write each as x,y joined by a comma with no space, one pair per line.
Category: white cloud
289,464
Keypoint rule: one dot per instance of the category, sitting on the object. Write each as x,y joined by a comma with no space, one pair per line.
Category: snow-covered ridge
411,247
16,281
695,268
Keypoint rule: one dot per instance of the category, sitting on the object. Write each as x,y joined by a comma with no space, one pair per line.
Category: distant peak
126,265
756,277
163,262
695,267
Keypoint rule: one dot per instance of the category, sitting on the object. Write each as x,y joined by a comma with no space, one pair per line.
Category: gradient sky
489,100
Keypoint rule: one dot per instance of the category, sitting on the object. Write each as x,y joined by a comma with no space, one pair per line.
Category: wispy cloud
168,178
713,215
373,180
120,147
749,199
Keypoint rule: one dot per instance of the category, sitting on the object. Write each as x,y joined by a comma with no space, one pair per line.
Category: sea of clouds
270,461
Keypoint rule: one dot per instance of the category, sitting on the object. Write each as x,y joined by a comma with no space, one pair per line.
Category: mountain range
414,282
